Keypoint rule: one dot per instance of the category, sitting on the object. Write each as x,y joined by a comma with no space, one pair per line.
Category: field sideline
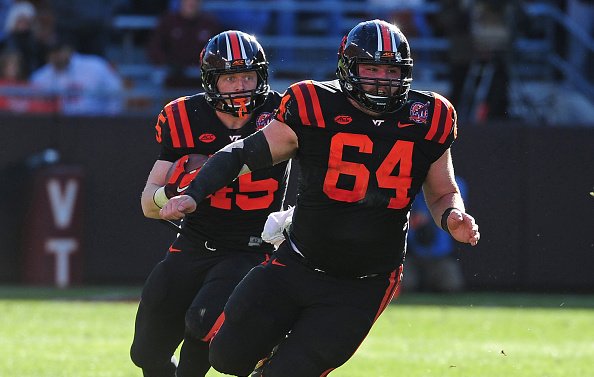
86,332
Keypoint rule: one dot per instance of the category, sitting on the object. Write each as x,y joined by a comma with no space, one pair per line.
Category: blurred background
82,83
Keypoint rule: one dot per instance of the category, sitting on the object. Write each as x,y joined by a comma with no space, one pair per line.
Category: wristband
160,198
444,219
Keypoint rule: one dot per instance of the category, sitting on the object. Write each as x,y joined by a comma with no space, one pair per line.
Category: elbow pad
239,157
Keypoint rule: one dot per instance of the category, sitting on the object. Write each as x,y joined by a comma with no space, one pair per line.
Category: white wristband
160,198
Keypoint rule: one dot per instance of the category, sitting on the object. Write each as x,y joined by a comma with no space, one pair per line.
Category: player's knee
141,357
230,356
233,363
199,323
151,365
136,356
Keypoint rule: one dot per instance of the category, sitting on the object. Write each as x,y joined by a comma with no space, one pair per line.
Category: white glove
276,223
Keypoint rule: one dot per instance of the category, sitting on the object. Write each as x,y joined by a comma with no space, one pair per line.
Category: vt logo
378,122
234,137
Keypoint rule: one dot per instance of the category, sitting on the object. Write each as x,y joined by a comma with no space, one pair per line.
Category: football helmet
375,42
230,52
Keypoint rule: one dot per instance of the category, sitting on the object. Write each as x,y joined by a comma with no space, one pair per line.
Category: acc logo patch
207,138
263,120
343,119
419,112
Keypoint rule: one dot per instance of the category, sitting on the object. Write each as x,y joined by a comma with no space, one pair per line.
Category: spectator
453,22
15,93
21,35
86,84
430,261
492,42
11,67
175,40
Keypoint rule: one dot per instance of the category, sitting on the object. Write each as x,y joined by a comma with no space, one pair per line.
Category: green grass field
87,333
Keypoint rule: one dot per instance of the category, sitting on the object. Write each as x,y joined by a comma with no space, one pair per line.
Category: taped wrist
160,197
237,158
444,219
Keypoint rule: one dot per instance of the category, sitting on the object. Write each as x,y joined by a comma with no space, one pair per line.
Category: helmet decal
385,39
235,47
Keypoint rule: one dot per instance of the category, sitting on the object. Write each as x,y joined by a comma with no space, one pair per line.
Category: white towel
276,223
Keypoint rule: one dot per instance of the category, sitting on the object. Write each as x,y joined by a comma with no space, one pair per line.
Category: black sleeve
226,165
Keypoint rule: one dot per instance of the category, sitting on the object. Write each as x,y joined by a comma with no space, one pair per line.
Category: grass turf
86,332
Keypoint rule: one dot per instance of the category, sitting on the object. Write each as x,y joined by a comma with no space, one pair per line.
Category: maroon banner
52,248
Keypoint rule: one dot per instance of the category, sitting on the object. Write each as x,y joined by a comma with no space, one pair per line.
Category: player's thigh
322,339
172,284
330,329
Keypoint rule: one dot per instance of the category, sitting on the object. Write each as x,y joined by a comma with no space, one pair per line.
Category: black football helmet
375,42
230,52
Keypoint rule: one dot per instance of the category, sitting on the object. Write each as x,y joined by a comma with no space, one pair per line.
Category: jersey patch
343,119
419,112
207,138
263,120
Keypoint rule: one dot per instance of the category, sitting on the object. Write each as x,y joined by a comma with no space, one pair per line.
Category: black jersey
234,216
359,174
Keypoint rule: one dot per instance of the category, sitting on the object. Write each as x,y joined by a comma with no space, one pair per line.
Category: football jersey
360,174
234,216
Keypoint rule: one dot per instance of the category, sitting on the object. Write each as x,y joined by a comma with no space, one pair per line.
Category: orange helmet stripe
235,47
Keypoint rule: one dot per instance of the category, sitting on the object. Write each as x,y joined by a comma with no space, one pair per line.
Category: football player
367,144
184,296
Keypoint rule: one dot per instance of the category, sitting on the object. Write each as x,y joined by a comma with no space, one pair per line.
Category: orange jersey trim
172,127
442,121
179,124
309,104
315,101
301,104
187,130
390,291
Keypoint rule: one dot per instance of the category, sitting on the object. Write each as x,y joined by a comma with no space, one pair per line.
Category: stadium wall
528,188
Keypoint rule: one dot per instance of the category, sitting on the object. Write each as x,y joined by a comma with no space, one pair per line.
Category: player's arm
275,143
445,203
155,181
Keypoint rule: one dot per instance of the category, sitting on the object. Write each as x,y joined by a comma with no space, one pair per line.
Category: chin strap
243,111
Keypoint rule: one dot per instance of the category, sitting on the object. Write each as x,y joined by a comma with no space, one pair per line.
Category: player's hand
180,175
177,207
463,228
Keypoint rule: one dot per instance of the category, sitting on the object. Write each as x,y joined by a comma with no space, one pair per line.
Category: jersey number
400,154
246,185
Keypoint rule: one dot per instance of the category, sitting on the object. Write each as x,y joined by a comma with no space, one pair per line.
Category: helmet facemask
238,103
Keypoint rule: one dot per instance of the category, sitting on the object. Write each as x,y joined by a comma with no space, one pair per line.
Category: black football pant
317,321
182,299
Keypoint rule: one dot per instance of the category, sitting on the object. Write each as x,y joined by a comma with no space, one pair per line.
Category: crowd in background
61,48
